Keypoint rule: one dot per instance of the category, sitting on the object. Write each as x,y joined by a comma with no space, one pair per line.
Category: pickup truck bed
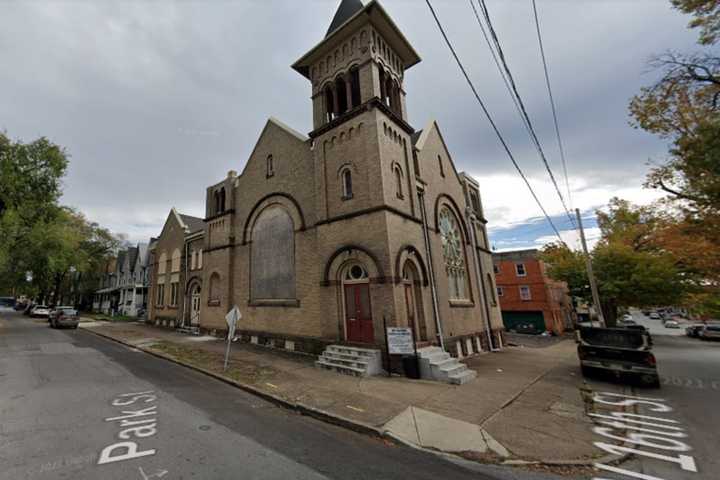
623,352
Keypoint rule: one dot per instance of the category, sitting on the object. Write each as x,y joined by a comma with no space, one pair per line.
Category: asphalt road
62,391
690,372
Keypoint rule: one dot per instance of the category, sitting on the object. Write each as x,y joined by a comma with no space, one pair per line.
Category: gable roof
192,224
346,10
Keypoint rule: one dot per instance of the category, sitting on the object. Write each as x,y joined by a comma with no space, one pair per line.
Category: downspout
433,288
478,271
185,299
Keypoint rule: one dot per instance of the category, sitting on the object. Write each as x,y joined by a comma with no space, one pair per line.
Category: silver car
40,311
64,317
710,332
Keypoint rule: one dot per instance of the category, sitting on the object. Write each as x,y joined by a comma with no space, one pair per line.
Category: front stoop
437,364
360,362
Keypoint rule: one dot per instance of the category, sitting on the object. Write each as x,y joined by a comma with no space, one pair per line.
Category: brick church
325,238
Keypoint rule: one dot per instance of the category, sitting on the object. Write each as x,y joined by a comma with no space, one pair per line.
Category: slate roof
193,223
345,12
415,137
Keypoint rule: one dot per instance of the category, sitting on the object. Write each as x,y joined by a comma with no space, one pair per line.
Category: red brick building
531,302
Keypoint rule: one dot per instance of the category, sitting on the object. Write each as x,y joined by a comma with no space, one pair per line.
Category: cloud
156,100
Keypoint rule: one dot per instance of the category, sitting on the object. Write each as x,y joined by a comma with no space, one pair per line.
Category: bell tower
362,138
361,60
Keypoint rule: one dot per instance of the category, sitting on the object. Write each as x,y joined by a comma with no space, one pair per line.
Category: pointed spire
345,11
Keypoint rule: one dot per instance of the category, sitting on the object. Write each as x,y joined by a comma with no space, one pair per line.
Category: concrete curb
347,423
327,417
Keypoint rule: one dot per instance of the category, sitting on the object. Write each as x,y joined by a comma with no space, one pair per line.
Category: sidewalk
524,404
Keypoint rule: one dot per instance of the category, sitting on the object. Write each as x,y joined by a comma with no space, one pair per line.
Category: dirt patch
245,371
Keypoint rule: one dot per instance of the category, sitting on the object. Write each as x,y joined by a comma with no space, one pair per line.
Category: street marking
693,383
271,385
139,423
355,408
663,436
158,474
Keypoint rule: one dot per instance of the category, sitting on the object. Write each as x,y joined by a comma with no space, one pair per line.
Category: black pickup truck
621,351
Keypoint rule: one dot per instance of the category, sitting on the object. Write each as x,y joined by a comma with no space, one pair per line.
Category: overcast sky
156,100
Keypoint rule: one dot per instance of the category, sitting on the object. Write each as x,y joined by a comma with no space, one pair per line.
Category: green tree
630,267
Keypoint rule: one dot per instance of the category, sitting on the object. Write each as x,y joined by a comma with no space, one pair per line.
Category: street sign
400,341
231,318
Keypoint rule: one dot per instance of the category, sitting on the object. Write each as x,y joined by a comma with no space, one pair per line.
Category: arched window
273,256
453,255
355,86
175,261
342,97
398,182
270,167
329,104
346,178
214,291
162,263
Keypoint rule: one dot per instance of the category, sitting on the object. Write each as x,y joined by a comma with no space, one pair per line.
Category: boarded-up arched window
162,263
214,291
272,267
175,263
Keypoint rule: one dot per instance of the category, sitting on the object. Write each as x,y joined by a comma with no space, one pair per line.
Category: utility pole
591,275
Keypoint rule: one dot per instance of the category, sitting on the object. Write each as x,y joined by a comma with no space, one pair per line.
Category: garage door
524,322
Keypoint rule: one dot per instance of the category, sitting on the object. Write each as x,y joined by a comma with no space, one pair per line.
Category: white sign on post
400,341
231,318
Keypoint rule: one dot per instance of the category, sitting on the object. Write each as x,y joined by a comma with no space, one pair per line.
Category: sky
154,101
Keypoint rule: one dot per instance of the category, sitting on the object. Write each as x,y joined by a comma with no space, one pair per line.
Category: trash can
411,366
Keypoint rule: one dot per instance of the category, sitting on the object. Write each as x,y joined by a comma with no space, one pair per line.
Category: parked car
39,311
710,332
694,330
64,317
620,351
627,316
20,307
671,324
627,322
654,316
28,308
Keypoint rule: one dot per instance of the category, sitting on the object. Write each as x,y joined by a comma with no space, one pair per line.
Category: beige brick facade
362,189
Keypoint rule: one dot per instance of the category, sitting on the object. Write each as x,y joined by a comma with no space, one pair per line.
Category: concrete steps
436,364
360,362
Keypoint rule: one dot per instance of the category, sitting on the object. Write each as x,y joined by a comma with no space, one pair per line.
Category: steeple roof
345,12
351,14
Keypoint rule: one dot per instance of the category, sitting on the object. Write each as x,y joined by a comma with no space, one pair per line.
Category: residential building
124,285
176,265
531,302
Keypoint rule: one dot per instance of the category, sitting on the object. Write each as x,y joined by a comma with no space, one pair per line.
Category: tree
631,267
707,17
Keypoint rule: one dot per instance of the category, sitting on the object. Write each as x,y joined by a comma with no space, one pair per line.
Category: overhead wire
552,103
490,119
508,79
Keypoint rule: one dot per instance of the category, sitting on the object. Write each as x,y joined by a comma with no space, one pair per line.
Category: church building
325,239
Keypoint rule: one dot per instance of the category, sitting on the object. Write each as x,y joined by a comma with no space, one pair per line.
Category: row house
124,286
530,300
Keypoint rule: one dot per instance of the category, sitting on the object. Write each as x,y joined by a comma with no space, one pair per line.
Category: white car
40,311
672,324
627,316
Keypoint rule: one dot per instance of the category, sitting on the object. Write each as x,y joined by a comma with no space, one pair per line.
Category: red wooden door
358,319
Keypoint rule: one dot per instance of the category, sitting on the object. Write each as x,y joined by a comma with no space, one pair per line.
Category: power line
552,102
515,94
489,117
